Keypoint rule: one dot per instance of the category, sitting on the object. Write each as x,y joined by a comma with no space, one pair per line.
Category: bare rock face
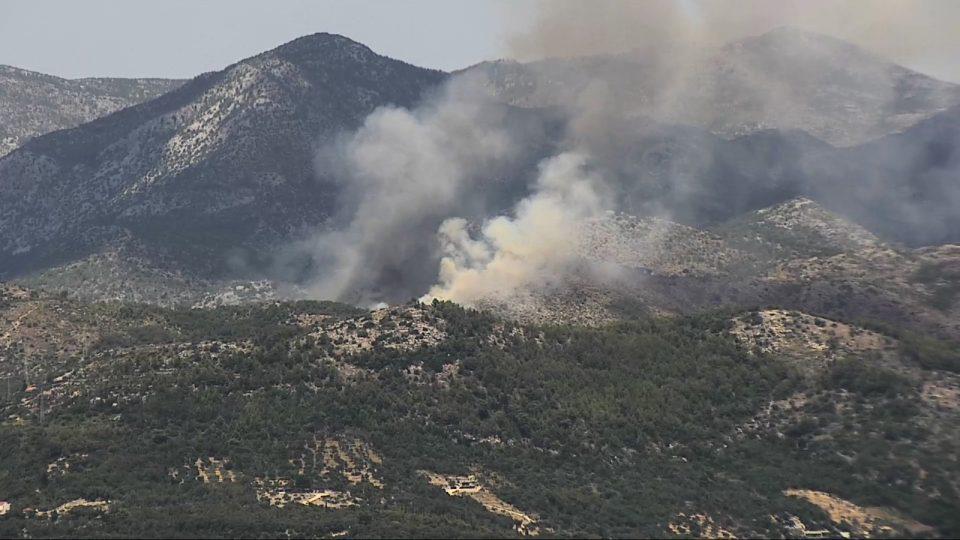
814,339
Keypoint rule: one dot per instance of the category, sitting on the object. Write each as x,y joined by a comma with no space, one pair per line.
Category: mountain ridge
255,123
738,88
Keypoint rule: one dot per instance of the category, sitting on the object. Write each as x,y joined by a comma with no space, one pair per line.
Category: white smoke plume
403,171
531,249
418,216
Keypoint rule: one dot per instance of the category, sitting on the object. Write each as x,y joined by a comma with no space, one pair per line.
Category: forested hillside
432,420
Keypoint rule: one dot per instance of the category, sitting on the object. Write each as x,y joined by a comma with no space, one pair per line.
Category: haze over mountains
786,79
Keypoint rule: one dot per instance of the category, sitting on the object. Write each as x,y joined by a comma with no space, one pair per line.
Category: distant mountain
222,161
904,186
692,176
32,103
785,79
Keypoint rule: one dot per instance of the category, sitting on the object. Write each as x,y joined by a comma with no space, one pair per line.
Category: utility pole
6,376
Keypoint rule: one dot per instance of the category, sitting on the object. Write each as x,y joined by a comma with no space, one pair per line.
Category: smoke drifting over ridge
415,182
452,200
920,34
402,172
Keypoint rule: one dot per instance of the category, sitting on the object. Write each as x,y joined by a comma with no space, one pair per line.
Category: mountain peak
234,146
323,47
320,41
794,32
35,103
791,41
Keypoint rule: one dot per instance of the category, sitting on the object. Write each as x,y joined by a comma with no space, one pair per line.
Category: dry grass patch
942,393
207,471
865,521
471,487
804,336
65,509
279,492
353,459
697,526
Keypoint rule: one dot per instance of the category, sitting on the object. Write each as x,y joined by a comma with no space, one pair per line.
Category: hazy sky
182,38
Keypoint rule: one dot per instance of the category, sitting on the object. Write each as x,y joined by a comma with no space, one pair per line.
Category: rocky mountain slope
33,104
786,79
224,160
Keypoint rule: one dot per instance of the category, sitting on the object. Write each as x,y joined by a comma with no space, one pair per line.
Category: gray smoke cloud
712,64
415,183
532,248
401,173
484,191
735,68
920,34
